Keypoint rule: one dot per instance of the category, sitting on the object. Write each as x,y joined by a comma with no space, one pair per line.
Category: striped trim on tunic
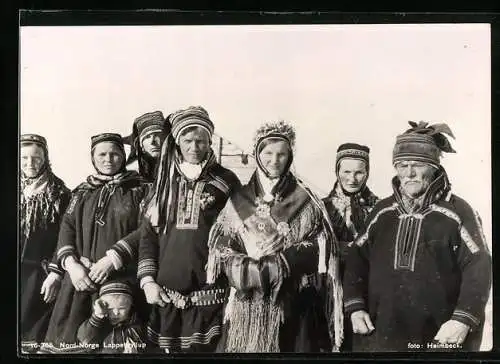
147,267
183,342
464,233
124,249
460,313
363,238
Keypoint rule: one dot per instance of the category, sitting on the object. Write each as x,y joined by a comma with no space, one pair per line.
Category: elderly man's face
415,177
194,145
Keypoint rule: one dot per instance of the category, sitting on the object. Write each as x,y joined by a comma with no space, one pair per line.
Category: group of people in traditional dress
179,256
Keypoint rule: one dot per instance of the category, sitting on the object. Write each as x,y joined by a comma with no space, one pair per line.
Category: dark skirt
34,311
304,329
141,306
194,329
348,334
70,310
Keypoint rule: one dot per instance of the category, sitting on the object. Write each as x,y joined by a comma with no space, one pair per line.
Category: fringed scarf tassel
329,254
254,325
160,194
329,264
221,234
334,312
213,267
37,212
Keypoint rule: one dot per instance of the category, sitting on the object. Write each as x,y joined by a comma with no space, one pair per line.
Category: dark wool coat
413,271
82,234
36,251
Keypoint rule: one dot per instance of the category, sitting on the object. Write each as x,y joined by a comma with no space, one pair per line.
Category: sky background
334,83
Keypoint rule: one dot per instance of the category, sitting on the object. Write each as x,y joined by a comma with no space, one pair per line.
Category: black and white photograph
285,188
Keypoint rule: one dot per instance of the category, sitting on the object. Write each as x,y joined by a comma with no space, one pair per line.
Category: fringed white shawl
244,328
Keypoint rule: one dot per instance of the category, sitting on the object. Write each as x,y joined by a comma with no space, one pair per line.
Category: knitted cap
423,143
115,287
107,137
352,151
192,116
34,138
151,122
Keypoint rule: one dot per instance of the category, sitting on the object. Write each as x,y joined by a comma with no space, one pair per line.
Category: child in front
113,326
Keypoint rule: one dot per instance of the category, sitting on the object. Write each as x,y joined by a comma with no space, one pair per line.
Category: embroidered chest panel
407,238
411,233
436,230
192,199
188,204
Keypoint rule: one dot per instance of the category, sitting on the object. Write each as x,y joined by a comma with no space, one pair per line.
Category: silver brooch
263,210
283,228
206,200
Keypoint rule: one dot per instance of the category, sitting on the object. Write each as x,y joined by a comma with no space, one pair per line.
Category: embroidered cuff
64,252
124,250
146,267
465,318
145,280
354,304
65,259
115,258
55,268
96,321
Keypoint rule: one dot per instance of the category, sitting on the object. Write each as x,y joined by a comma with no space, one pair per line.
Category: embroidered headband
34,138
107,137
352,151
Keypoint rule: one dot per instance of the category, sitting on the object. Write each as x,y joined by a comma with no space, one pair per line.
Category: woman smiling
274,243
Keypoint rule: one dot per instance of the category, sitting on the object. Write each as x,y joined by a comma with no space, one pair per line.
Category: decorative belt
197,298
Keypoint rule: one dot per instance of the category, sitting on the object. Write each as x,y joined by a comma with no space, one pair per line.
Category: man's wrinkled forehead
413,163
32,149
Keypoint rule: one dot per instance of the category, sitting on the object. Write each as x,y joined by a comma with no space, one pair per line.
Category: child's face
118,306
